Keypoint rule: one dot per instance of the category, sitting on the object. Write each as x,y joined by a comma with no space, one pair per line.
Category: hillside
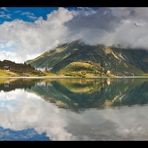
79,59
9,68
7,73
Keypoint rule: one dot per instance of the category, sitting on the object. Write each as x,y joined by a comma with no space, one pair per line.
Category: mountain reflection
80,94
73,109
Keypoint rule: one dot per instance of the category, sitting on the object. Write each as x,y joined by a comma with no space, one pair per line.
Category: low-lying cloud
109,26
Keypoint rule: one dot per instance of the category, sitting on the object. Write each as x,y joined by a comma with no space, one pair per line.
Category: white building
43,69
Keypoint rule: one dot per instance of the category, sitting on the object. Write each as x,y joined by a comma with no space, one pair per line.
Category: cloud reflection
20,110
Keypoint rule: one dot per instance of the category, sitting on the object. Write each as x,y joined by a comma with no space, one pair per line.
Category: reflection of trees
17,83
78,94
84,93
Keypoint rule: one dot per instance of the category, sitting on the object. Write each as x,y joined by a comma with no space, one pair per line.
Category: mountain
78,58
9,68
9,65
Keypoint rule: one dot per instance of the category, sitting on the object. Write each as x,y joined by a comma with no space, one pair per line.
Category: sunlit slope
77,58
7,73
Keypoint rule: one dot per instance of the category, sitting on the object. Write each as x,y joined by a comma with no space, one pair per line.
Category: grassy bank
4,73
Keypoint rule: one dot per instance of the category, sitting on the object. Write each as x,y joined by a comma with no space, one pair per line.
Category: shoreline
68,77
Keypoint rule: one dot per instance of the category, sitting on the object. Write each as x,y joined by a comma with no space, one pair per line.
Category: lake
73,109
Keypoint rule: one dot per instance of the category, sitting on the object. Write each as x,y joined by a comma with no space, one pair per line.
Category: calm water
74,109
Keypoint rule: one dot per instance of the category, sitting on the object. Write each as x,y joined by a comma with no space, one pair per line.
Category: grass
50,74
76,66
68,72
7,73
146,74
4,73
81,69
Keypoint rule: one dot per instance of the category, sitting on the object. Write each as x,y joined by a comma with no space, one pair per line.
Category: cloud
4,15
29,15
112,26
21,110
109,26
34,38
4,9
18,107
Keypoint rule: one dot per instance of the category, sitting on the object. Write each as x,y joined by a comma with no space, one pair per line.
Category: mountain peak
75,42
93,59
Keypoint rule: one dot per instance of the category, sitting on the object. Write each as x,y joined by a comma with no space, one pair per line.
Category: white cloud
34,38
29,15
21,110
9,55
4,15
18,107
4,9
125,26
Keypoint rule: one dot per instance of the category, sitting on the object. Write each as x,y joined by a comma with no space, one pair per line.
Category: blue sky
17,39
49,27
28,14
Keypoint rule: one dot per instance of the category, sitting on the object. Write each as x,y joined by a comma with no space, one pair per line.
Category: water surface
73,109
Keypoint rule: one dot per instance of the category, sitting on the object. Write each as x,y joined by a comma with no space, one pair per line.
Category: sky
27,32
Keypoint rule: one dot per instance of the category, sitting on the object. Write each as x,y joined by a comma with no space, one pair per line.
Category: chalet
16,67
44,69
108,73
7,68
40,69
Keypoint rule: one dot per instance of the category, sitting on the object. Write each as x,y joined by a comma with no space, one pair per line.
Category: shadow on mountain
7,85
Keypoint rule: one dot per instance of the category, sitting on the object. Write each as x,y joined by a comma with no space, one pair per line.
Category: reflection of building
108,73
108,82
